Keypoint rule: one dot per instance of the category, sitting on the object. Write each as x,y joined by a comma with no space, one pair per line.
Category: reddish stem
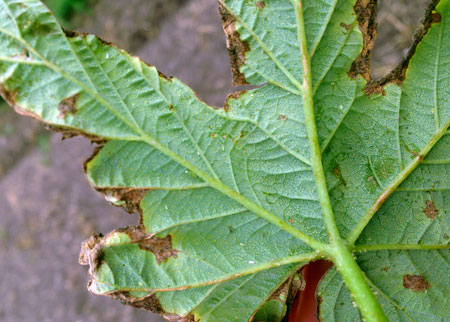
305,306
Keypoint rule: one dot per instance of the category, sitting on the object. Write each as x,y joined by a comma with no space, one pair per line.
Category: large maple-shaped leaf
230,203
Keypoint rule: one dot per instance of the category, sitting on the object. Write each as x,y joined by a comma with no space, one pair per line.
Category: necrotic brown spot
430,210
67,106
8,96
160,247
261,5
236,47
150,303
346,26
416,283
436,17
130,197
366,13
234,96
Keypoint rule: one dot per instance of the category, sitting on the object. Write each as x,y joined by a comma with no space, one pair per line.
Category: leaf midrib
307,257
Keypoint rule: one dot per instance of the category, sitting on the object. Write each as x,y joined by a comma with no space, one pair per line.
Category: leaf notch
366,11
237,47
127,198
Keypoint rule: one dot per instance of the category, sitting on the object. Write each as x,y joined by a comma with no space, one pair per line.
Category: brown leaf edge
92,254
237,48
91,251
366,12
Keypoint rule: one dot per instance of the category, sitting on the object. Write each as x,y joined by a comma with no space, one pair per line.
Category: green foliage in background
65,9
319,161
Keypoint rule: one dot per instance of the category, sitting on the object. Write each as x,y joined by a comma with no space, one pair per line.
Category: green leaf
410,285
234,201
406,269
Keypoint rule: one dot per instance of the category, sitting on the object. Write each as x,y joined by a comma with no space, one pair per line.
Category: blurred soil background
47,207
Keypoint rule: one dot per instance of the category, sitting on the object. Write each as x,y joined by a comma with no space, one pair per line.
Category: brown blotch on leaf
236,47
280,294
160,247
283,117
260,5
105,42
73,34
10,97
436,17
160,74
149,303
131,197
416,283
175,317
366,12
235,95
282,291
91,253
430,210
397,75
345,26
68,106
70,133
336,171
93,155
338,174
319,300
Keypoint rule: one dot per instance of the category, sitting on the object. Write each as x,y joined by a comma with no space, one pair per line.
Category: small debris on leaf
260,5
430,210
